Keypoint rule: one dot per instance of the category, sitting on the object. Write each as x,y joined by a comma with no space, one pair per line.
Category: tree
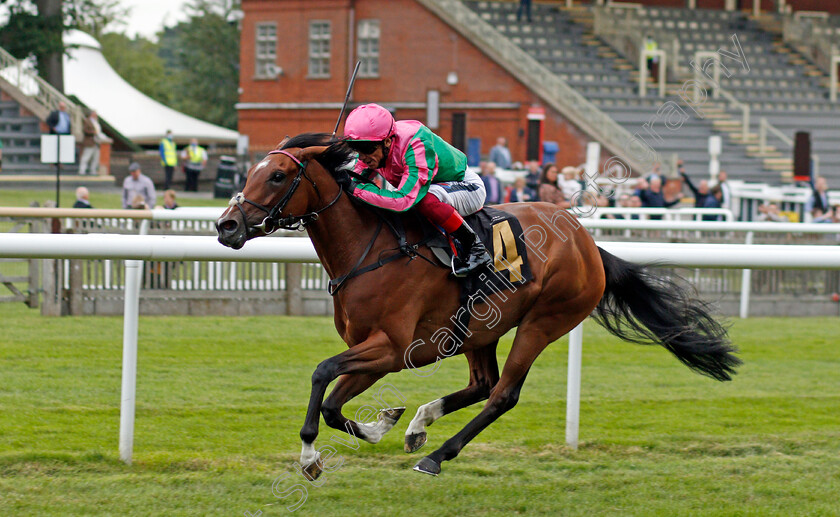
35,28
138,62
205,51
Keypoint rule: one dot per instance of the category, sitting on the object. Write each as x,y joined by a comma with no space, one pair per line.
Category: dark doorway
459,131
534,135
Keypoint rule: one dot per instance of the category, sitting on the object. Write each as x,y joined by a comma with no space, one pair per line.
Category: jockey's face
376,159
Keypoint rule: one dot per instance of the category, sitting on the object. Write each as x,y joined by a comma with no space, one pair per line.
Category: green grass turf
220,402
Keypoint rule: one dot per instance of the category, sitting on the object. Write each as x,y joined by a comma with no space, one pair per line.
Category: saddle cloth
500,232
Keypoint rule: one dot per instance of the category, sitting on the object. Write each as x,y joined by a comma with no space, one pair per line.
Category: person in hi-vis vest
652,61
168,158
195,158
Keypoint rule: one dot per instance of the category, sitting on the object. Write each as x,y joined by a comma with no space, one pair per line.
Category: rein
272,221
403,249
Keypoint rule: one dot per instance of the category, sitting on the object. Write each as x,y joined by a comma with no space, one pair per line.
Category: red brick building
297,57
410,58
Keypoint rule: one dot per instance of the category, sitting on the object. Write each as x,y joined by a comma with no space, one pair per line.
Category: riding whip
346,97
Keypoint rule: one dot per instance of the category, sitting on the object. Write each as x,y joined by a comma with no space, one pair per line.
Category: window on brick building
319,48
368,48
265,61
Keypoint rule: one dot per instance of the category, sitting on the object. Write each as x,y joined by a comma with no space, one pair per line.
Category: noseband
272,221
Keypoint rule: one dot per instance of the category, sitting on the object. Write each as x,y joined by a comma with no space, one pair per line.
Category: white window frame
320,49
265,51
367,47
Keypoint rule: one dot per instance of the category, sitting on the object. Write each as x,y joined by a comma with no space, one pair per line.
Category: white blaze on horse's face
261,165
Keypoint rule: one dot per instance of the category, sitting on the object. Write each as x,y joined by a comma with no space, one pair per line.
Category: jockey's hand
345,182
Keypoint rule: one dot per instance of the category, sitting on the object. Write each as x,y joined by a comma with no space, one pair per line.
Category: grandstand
776,81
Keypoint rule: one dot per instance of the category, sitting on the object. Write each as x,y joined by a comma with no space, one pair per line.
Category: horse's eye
277,177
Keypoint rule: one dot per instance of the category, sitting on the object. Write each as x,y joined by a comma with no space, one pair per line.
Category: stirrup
484,260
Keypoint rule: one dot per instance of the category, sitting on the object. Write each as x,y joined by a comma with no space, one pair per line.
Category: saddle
498,231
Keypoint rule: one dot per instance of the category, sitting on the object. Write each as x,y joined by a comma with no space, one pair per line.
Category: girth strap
402,250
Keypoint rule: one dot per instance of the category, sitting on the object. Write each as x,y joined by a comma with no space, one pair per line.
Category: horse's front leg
347,387
373,356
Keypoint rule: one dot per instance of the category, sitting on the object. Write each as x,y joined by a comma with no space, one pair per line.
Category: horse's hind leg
484,374
531,338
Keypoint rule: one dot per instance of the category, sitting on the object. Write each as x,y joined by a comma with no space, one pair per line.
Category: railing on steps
745,113
811,29
15,72
765,127
540,79
620,25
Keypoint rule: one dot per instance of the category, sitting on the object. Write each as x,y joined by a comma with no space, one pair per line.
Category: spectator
819,197
641,185
168,158
82,198
59,120
196,159
169,200
653,197
701,191
93,136
713,201
655,172
726,192
569,182
832,216
500,154
521,192
623,202
524,8
139,203
532,179
549,192
137,184
492,185
769,212
652,61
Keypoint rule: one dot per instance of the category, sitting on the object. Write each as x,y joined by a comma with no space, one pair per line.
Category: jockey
415,162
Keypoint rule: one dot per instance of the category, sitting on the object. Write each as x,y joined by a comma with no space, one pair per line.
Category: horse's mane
333,159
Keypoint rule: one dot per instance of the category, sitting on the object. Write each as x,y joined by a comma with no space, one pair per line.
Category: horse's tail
642,308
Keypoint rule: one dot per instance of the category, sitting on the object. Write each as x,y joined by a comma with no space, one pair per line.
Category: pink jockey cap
369,122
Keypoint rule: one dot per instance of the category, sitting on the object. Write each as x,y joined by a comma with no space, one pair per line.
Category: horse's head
281,190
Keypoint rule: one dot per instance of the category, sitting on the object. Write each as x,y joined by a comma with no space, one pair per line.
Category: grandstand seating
21,136
779,85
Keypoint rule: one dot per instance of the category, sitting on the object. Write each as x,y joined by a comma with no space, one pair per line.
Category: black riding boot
471,252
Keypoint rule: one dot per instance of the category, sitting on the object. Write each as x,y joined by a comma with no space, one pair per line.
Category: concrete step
752,138
766,154
757,149
723,124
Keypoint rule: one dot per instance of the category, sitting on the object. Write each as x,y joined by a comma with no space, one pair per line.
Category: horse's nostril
228,226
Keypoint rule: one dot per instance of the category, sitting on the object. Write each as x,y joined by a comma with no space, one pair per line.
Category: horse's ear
311,152
282,143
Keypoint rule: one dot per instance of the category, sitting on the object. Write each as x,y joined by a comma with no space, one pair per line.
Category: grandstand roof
88,76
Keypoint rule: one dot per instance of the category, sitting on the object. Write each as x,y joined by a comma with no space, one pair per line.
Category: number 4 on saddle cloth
498,231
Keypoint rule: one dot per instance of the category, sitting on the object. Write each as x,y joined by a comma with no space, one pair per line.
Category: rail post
573,386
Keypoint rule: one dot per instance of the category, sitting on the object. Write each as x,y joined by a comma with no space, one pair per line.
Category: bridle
272,221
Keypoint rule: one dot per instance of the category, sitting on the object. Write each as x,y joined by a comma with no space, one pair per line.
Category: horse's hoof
391,414
428,466
413,442
311,472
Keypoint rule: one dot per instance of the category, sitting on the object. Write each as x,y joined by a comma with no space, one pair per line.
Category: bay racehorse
389,316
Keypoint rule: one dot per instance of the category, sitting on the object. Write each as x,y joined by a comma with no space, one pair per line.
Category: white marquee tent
88,76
